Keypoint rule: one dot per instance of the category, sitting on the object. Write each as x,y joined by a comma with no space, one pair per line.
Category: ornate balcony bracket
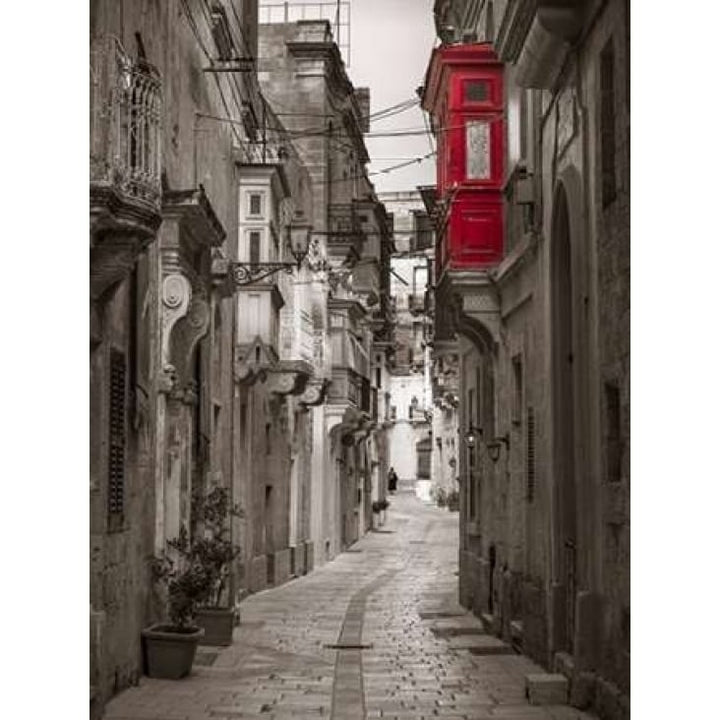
342,425
246,375
187,332
289,377
252,363
468,304
315,393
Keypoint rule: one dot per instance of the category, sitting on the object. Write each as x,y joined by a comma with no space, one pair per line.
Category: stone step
546,689
480,645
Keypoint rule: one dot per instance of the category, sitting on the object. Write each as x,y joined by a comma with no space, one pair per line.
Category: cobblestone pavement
408,649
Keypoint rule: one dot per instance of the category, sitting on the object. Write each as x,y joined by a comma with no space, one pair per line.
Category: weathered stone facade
170,137
300,67
543,344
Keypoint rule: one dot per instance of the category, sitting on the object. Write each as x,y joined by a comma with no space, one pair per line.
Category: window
422,230
255,204
254,247
476,91
116,443
607,123
477,150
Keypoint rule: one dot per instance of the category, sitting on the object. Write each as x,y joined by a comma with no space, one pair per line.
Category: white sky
391,42
390,46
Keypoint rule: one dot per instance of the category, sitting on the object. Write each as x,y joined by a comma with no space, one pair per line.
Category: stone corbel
315,393
185,335
186,394
176,292
555,25
220,274
246,374
289,377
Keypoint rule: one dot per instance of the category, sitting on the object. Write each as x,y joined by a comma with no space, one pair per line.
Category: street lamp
298,242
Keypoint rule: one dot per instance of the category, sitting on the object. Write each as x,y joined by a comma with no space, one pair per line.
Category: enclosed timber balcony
345,238
125,159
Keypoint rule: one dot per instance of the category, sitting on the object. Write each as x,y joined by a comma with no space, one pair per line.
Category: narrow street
409,650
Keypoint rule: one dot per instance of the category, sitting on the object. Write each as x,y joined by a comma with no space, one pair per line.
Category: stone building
304,79
530,104
409,387
179,145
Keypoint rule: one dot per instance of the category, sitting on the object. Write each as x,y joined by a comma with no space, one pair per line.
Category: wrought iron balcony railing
125,122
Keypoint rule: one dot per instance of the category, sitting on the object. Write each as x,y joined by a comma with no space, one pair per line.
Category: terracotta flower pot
169,653
218,624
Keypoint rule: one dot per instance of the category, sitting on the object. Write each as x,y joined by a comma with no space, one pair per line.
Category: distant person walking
392,480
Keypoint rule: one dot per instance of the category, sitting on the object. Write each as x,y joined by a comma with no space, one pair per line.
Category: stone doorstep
480,645
546,689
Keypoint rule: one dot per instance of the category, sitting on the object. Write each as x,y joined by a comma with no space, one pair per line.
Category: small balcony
350,388
345,238
125,160
125,142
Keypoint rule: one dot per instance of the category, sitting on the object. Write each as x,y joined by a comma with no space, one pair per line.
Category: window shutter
116,452
530,455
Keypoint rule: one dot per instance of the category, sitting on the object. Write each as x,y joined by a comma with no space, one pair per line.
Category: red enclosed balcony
464,95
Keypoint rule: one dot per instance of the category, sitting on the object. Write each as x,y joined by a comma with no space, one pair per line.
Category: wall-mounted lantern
298,243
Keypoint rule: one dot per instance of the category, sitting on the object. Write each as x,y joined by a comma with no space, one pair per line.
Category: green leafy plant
441,497
379,505
214,549
195,569
452,499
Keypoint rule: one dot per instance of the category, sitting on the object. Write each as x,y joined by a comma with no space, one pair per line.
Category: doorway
564,420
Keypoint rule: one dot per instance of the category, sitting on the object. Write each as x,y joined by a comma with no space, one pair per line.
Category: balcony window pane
478,150
476,91
254,250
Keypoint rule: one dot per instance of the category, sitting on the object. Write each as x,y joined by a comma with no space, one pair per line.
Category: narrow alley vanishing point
377,632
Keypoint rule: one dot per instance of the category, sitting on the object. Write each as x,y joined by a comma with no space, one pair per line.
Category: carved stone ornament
315,393
176,291
167,379
187,332
289,378
176,298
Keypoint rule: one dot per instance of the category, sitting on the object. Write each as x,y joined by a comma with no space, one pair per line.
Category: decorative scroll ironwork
125,122
249,273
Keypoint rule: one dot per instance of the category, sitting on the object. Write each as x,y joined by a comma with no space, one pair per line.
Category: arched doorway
564,522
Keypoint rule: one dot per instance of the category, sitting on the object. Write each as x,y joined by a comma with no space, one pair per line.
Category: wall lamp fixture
471,434
494,446
298,242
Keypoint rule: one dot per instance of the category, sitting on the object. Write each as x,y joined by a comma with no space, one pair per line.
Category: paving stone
546,688
278,669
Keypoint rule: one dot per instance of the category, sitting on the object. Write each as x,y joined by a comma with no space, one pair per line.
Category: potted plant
384,505
452,500
170,647
441,497
215,552
379,507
